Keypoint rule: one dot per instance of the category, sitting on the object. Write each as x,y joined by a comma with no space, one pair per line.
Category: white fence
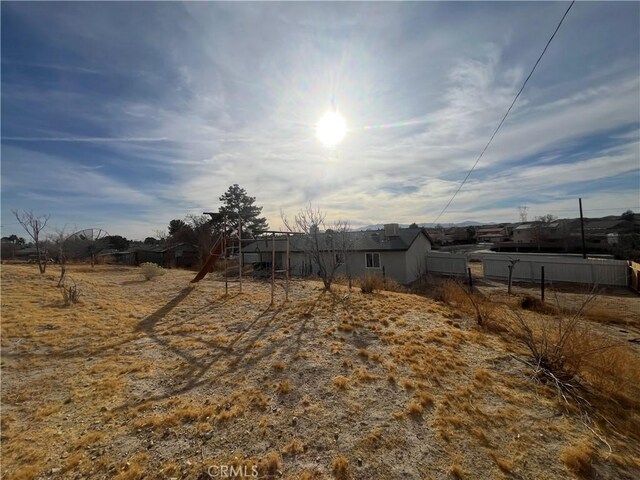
556,269
446,263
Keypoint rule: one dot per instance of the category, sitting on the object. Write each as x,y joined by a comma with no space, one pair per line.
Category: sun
331,129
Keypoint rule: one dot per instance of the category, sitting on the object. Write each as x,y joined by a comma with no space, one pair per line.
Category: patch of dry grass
456,471
340,468
284,386
150,364
579,458
341,382
295,447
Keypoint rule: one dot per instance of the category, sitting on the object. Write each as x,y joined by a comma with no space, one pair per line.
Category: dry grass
284,386
340,468
415,408
456,471
295,447
371,283
191,375
341,382
579,458
270,464
504,465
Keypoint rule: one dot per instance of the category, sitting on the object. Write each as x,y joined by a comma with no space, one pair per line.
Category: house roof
164,248
605,224
369,241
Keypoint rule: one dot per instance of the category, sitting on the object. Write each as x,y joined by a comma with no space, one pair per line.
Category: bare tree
57,240
161,235
346,244
511,266
328,248
541,228
34,225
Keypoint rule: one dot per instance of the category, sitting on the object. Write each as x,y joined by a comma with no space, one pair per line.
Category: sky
125,115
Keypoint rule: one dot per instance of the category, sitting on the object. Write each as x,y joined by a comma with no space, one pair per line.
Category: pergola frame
264,233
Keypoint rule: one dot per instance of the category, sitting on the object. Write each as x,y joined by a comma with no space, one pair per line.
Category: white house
395,252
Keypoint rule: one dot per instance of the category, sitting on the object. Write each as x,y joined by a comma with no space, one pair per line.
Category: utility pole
584,249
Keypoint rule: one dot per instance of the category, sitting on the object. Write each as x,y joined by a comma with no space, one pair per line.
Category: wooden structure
229,243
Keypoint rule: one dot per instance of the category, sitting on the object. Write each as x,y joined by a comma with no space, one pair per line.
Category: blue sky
125,115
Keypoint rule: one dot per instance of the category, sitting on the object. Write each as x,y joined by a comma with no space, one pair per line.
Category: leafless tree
346,244
329,247
34,225
161,235
511,266
57,241
540,228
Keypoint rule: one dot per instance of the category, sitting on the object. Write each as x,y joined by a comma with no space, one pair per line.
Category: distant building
493,234
169,256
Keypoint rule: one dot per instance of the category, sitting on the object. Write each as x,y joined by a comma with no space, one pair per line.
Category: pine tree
236,201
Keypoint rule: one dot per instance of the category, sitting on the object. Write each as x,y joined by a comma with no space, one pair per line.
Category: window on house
339,258
372,260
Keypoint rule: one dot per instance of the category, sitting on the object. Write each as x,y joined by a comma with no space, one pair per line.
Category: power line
506,114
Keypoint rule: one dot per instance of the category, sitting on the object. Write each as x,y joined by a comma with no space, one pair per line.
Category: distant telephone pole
584,249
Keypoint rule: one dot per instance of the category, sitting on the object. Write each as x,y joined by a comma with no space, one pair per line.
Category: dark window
372,260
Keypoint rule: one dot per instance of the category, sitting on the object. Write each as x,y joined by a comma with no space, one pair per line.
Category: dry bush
341,382
70,293
340,468
567,351
456,471
151,270
284,386
457,295
269,465
578,458
391,285
534,304
370,283
414,408
296,447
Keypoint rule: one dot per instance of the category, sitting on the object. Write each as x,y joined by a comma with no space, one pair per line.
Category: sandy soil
161,379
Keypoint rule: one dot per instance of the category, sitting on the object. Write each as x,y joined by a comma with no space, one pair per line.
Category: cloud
201,96
83,139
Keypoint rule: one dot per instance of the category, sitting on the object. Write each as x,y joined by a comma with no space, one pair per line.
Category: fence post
470,280
384,275
542,283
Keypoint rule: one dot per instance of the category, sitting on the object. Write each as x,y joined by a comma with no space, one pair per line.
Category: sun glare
331,129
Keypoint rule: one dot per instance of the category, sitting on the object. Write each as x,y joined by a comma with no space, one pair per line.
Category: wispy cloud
199,96
84,139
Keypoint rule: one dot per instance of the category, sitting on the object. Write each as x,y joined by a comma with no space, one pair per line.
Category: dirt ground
163,379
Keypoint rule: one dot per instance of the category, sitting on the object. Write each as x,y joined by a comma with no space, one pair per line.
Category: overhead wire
506,114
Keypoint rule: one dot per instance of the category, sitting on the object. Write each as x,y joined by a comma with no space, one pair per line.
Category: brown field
160,379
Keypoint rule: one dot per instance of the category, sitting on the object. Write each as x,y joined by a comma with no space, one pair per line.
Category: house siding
398,264
416,258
